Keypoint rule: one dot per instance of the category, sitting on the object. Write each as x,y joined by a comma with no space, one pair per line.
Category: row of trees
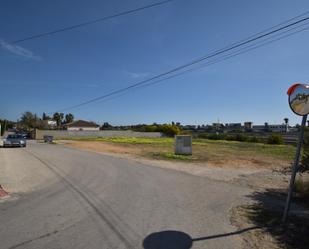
62,119
167,129
29,120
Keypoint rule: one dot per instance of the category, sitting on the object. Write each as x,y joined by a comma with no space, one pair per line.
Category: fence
58,134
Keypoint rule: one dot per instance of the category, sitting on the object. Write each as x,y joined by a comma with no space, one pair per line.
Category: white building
271,128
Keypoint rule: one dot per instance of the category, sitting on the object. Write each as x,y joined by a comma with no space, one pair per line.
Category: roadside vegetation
5,124
273,139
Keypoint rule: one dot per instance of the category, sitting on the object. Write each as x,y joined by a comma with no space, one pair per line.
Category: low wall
57,134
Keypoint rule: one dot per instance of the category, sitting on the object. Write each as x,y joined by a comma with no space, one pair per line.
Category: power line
90,22
220,59
229,56
211,55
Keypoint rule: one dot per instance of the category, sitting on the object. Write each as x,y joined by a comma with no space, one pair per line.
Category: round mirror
299,99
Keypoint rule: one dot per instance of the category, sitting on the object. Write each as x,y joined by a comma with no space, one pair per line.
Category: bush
275,139
169,130
203,135
237,137
302,187
253,139
241,138
230,138
216,136
305,157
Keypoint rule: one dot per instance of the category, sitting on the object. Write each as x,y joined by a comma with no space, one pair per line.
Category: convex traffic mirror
299,99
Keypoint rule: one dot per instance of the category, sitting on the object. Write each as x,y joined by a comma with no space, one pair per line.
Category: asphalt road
68,198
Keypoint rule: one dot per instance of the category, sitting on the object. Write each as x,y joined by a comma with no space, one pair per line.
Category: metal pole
295,169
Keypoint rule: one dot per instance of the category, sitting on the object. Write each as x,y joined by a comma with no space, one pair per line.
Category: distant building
51,123
82,125
233,127
248,126
259,128
271,128
278,128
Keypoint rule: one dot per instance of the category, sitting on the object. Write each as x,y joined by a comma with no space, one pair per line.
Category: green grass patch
285,152
171,156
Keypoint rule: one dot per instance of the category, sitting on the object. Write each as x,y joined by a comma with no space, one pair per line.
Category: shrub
302,187
305,157
230,138
216,136
240,138
169,130
203,135
275,139
253,139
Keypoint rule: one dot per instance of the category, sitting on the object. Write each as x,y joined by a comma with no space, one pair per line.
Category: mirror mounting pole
294,170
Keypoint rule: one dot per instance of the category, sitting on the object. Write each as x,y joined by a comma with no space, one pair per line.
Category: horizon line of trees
29,120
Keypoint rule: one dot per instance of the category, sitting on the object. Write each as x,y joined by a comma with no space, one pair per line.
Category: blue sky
47,74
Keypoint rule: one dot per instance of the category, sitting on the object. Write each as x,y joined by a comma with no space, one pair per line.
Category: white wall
58,134
83,128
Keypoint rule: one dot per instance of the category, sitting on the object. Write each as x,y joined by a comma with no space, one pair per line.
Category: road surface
67,198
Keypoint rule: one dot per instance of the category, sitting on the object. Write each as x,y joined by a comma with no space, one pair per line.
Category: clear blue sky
53,72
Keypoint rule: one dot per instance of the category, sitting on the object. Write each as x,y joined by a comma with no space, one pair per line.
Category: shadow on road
181,240
267,213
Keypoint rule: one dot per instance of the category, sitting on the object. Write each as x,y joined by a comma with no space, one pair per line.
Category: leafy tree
58,117
69,118
45,116
106,126
30,121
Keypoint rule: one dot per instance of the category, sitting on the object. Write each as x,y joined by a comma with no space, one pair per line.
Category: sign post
299,103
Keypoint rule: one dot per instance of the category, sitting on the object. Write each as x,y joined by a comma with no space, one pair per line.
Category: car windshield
14,136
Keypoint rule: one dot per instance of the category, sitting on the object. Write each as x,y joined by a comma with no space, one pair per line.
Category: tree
58,117
69,118
45,116
3,127
106,126
28,120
